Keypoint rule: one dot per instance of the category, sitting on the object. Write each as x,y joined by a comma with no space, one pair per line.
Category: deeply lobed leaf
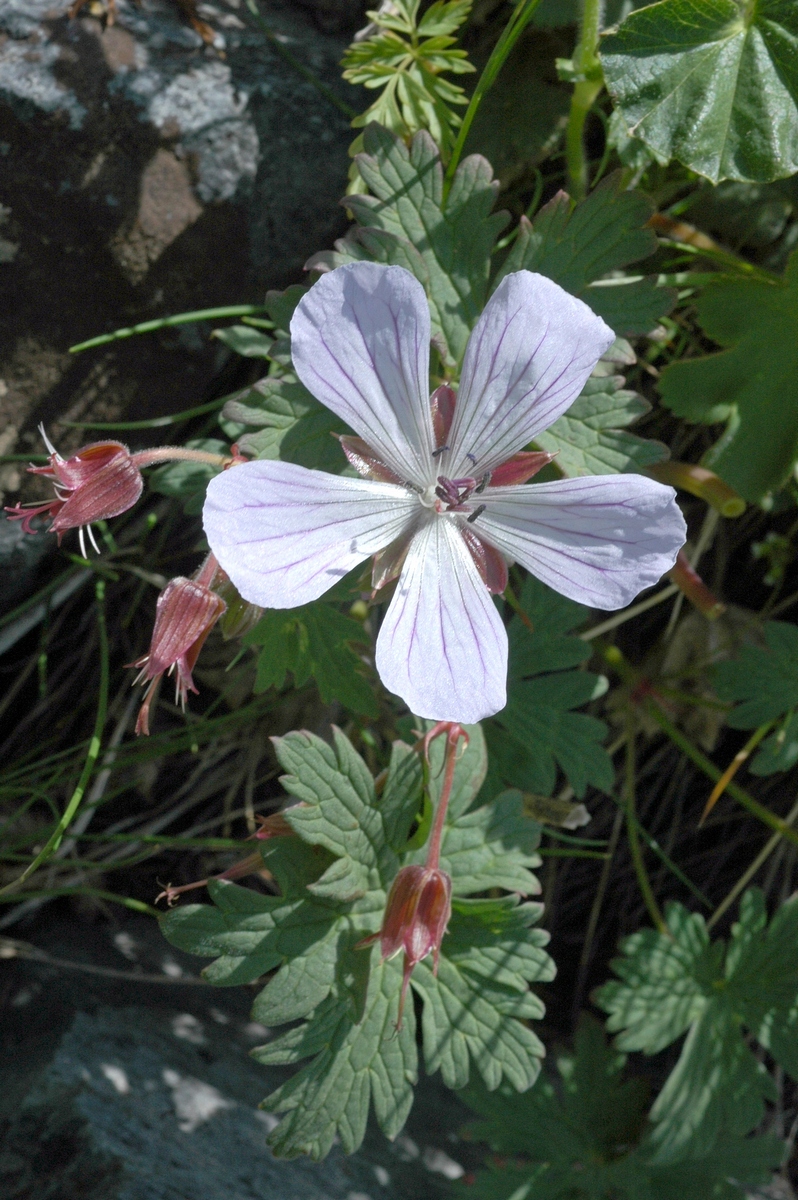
676,982
334,873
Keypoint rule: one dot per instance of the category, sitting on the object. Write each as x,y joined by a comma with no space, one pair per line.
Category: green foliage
577,245
446,244
517,114
244,340
591,439
333,878
752,385
407,58
538,732
582,1136
314,640
679,982
712,83
765,680
290,423
188,480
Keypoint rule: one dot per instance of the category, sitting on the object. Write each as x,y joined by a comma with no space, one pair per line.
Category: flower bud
184,616
100,481
417,914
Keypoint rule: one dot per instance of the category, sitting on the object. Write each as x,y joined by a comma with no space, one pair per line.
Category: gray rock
119,1090
144,172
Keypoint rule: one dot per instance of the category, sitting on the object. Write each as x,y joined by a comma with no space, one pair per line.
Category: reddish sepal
365,460
489,562
520,468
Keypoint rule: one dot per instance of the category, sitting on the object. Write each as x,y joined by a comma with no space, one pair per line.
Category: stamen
51,448
90,532
473,458
471,518
439,451
408,483
483,483
82,542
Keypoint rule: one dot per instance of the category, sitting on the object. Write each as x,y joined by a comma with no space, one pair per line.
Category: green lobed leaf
580,245
334,874
583,1135
764,680
678,982
291,423
753,384
407,59
447,246
188,480
313,640
538,732
712,83
591,439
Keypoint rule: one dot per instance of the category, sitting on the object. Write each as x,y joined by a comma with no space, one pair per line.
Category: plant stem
203,314
782,827
145,458
749,874
634,840
734,766
585,92
586,89
436,836
516,25
54,840
619,618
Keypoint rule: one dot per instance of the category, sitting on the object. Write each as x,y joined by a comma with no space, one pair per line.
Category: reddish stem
145,458
453,733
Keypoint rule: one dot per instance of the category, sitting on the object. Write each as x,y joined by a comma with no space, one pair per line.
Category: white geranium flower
444,504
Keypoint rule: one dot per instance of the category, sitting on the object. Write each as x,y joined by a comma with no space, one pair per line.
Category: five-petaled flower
442,504
186,612
99,481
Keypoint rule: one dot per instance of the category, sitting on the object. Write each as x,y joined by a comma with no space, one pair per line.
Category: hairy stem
586,89
453,734
159,454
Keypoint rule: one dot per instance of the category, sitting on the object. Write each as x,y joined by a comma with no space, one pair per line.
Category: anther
471,518
483,483
473,458
439,451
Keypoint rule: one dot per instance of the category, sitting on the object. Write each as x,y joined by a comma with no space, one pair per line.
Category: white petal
285,535
442,646
599,539
360,344
526,362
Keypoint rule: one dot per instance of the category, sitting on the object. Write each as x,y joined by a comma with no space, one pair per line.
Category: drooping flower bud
416,918
100,481
185,613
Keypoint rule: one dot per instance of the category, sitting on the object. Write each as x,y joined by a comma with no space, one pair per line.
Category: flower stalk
419,904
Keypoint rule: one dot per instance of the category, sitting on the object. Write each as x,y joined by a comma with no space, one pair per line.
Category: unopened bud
184,616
